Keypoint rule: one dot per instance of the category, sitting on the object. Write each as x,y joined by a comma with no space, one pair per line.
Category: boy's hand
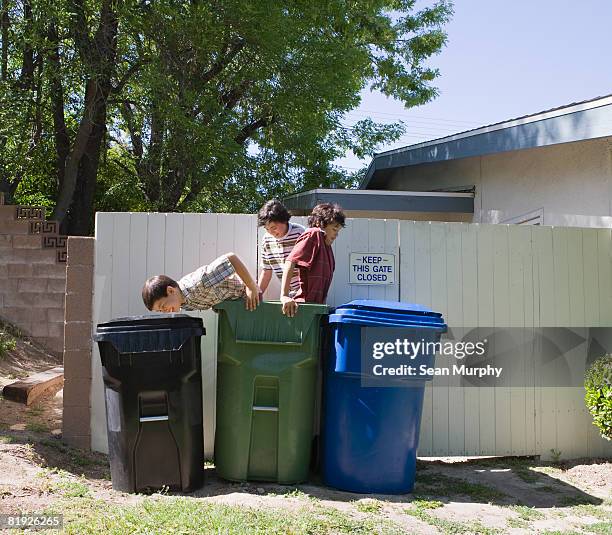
289,306
252,298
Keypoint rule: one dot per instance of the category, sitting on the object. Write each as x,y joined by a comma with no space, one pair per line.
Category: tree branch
133,69
78,31
135,137
60,132
26,78
4,35
232,51
232,97
245,133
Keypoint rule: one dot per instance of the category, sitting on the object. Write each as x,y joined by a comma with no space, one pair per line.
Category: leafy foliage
199,106
598,397
7,343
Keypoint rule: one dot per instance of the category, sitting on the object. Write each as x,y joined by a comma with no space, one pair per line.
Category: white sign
372,268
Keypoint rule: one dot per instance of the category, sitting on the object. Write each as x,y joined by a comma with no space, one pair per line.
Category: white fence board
486,318
454,291
422,295
440,414
137,263
469,301
103,258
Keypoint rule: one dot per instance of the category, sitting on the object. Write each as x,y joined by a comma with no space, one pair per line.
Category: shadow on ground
501,481
50,452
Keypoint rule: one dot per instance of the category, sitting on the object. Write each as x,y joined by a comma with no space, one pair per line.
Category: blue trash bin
370,433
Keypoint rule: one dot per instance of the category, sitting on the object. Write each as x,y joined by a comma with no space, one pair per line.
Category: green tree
246,100
178,105
61,62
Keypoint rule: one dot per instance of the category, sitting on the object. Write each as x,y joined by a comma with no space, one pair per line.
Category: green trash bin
266,378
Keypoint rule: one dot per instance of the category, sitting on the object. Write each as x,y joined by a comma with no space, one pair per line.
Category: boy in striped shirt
278,241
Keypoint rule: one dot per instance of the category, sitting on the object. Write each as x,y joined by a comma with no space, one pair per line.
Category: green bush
598,398
7,343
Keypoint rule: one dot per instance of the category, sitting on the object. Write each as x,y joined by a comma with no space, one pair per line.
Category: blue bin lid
388,314
396,307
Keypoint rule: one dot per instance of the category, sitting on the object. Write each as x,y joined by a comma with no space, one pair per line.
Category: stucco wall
571,183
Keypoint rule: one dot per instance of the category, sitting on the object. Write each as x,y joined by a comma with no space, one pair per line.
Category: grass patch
526,474
550,470
571,501
36,427
517,523
8,328
75,456
70,489
63,483
369,505
601,528
5,439
161,515
451,527
7,343
55,444
527,513
296,493
427,504
441,485
557,532
591,510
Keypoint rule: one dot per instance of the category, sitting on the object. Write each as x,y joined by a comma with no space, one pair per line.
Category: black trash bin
153,392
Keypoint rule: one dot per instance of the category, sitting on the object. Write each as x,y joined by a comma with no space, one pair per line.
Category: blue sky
505,59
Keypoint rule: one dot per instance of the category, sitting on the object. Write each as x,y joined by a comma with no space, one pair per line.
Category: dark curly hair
326,214
155,288
273,211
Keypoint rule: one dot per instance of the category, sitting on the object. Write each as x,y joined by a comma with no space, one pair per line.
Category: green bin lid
267,324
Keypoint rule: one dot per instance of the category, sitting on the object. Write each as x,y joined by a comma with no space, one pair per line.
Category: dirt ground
454,495
28,359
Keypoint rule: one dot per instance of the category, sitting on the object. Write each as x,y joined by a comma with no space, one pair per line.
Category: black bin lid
152,332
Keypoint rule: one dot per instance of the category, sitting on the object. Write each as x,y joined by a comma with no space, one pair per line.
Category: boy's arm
289,305
252,290
264,279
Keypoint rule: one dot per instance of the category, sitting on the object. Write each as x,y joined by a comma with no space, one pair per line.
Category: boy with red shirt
313,257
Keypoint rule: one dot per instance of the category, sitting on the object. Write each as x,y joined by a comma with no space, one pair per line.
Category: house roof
578,121
384,201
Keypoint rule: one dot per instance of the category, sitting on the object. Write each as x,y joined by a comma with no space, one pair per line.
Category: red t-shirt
315,264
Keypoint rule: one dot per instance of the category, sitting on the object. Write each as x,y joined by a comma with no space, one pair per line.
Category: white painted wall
571,183
476,275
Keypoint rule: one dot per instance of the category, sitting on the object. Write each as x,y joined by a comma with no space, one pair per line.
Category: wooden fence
477,275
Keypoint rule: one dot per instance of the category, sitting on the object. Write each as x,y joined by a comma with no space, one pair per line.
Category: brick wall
77,342
32,281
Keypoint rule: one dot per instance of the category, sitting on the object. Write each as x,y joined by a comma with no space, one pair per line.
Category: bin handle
264,409
266,342
163,418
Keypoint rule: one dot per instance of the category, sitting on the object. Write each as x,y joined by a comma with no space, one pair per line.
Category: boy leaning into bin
314,259
277,243
224,278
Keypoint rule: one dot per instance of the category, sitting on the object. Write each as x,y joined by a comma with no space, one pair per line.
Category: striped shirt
211,284
274,252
